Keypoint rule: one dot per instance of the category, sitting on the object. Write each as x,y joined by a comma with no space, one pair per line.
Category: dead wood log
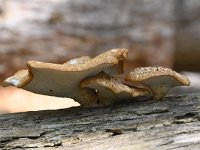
173,123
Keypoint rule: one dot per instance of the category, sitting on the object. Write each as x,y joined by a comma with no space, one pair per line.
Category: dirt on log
173,123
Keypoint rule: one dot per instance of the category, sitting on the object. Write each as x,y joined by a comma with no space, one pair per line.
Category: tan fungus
158,79
63,80
110,90
90,81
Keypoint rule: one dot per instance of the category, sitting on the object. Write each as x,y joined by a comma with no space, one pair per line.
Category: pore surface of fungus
158,79
63,80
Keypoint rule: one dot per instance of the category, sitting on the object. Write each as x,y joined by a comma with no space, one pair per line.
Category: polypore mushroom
110,90
63,80
159,80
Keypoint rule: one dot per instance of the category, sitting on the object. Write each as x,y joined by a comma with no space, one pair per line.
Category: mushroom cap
145,73
110,90
79,60
19,79
158,79
63,80
108,58
115,69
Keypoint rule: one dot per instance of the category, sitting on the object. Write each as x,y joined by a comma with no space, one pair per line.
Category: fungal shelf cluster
95,81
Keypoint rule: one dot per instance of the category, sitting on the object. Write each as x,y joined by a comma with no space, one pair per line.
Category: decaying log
173,123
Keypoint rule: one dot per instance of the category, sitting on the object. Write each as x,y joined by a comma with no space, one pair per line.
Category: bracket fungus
158,79
63,80
94,81
110,90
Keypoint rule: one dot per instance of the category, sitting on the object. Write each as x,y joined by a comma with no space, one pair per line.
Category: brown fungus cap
63,80
158,79
80,60
115,69
19,79
110,90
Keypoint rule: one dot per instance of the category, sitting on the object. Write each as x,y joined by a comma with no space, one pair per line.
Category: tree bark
173,123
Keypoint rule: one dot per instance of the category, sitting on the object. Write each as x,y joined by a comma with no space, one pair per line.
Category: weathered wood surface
173,123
